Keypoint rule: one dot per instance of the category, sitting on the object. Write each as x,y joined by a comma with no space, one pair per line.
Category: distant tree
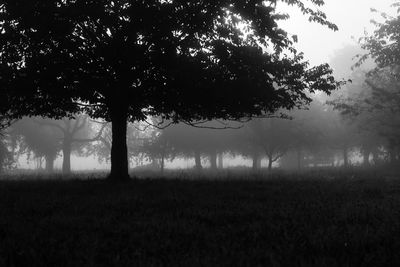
158,147
383,47
207,139
46,138
128,59
376,112
373,99
7,157
356,101
185,141
273,136
43,142
308,136
342,135
73,134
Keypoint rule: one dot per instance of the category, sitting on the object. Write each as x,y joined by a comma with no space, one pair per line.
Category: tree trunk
213,160
197,159
50,163
162,163
375,156
299,159
119,149
366,153
270,163
392,152
66,166
39,161
256,162
220,161
345,157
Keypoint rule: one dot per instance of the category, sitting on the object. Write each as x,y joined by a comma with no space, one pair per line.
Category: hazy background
319,44
353,17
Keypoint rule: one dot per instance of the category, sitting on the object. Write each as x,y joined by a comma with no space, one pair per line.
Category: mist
327,120
199,133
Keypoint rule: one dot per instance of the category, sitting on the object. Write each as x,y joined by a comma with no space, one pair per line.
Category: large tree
376,107
123,60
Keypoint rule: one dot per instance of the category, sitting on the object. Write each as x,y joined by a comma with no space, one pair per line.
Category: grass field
316,219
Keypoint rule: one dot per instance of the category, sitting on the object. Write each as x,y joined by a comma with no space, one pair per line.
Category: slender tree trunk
197,159
162,163
256,162
392,152
50,163
270,161
366,153
119,149
375,157
213,160
220,161
299,159
39,161
345,157
66,166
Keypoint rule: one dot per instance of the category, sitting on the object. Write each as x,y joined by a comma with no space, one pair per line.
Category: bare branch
198,125
99,122
149,124
96,138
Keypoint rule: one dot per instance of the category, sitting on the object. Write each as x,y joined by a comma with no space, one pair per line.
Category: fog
353,17
325,134
199,133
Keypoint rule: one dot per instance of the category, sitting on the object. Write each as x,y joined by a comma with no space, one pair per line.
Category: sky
351,16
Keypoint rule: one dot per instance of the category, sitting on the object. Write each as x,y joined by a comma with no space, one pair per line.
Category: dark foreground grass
276,222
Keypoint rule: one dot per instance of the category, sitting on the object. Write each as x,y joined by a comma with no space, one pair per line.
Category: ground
313,219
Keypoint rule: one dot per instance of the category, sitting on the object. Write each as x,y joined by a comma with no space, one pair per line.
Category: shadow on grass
309,219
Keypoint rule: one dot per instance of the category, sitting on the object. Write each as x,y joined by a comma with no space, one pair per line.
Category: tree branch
197,125
96,138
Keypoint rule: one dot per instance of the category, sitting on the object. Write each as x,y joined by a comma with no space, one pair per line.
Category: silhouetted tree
384,44
307,136
127,59
45,137
204,139
273,136
375,110
7,159
43,142
137,135
74,133
158,147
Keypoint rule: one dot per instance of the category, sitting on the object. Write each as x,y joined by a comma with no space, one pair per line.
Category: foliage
384,44
35,140
373,106
273,136
47,137
7,160
178,60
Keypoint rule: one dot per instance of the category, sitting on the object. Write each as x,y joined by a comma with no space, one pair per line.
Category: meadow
319,218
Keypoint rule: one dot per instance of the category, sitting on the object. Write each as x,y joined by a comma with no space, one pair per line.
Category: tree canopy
125,60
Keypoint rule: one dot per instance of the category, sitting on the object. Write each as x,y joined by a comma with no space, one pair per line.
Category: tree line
177,61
